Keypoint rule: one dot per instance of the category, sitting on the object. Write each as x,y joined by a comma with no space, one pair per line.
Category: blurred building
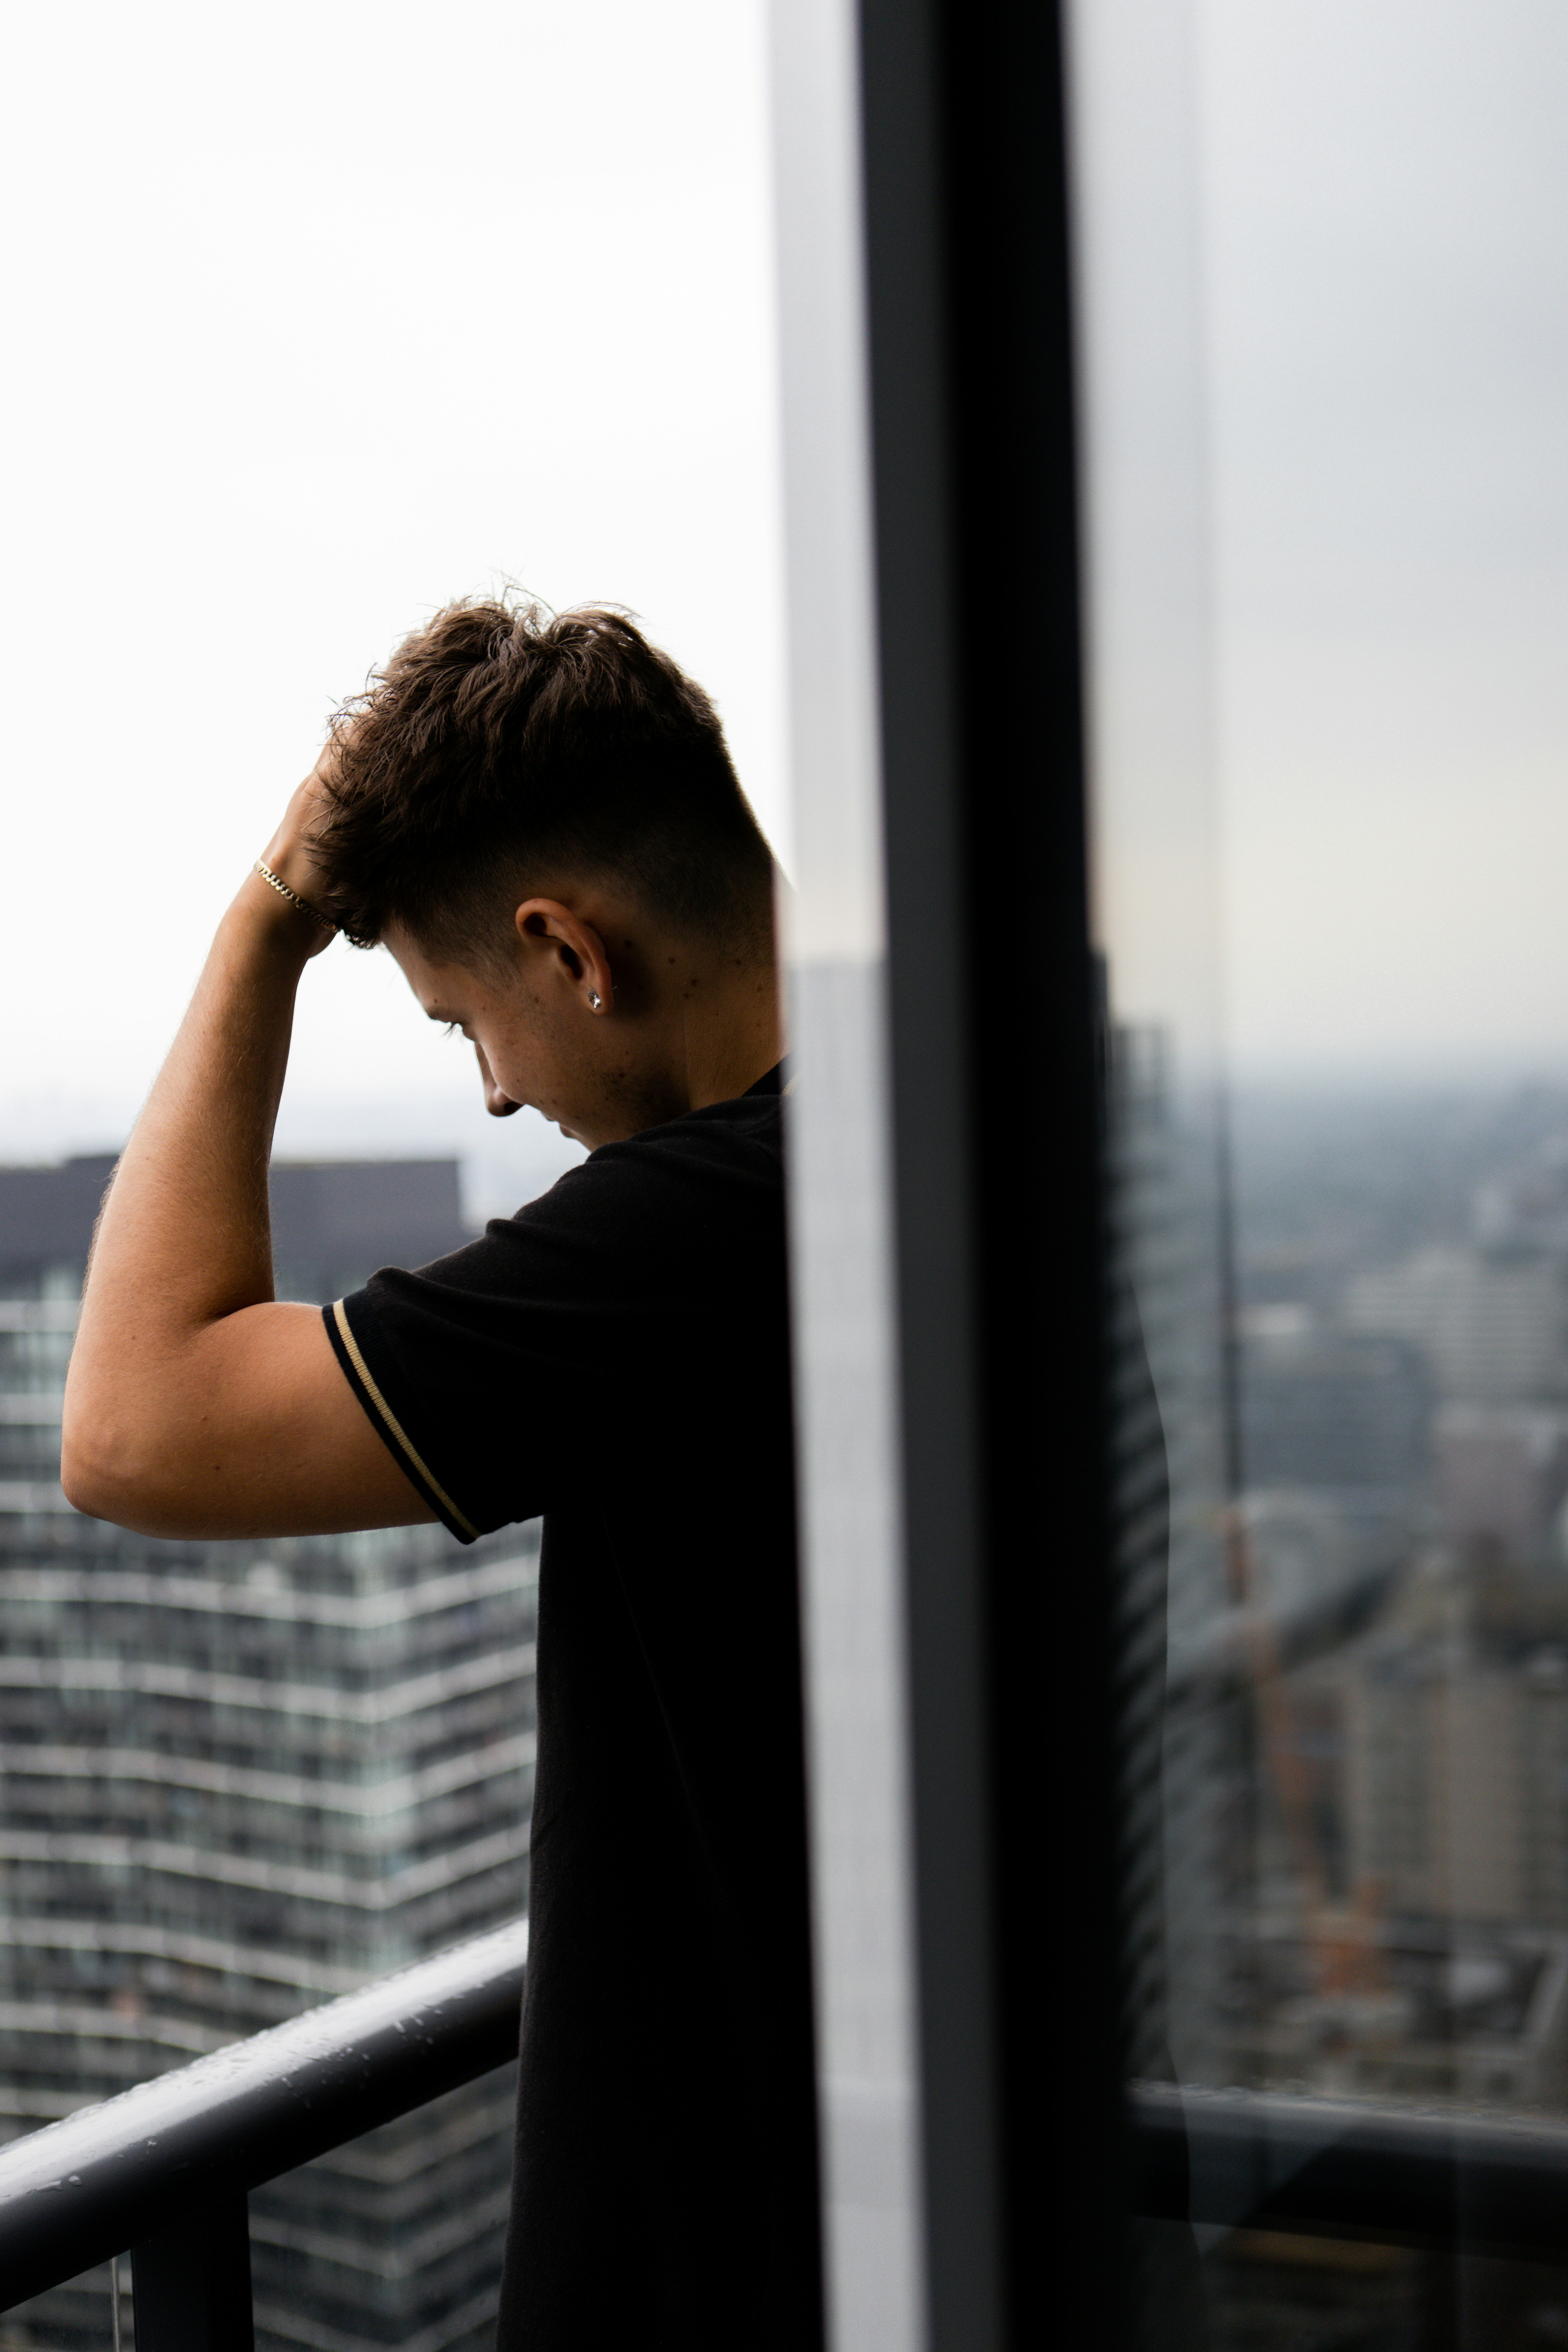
1413,2010
1334,1410
1522,1208
1502,1477
1169,1570
1424,1952
242,1777
1455,1747
1179,1755
1491,1325
1419,1946
1336,1454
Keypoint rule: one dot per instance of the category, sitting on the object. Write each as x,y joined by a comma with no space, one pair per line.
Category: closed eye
450,1028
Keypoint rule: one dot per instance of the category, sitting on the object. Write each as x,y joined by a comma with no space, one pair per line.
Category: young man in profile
537,818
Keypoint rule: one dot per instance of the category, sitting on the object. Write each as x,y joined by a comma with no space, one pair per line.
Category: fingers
289,852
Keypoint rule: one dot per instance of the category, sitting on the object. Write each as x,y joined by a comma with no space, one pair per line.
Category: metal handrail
165,2168
1487,2184
146,2162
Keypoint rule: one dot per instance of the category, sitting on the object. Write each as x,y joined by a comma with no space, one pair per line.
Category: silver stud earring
595,1000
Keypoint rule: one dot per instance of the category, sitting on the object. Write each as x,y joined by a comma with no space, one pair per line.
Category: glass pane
1325,287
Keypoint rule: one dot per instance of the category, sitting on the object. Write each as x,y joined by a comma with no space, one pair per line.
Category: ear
571,949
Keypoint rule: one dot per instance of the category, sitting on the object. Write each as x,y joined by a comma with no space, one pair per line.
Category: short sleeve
349,1345
519,1374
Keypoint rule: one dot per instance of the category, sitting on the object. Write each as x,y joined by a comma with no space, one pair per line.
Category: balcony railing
165,2170
1483,2184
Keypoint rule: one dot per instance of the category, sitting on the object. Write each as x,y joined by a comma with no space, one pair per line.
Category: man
537,818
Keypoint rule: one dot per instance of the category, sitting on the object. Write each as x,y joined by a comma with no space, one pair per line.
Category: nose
499,1105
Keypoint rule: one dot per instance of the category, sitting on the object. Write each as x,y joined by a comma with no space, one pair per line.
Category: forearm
184,1238
197,1405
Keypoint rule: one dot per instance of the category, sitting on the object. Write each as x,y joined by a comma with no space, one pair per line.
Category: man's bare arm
195,1404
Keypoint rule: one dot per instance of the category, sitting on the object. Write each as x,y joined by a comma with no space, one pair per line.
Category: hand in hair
290,854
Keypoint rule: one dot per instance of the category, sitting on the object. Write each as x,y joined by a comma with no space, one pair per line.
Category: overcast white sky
322,314
319,315
1362,845
1387,208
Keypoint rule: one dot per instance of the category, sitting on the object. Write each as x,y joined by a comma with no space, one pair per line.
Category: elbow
105,1467
85,1491
132,1469
88,1470
84,1453
75,1481
80,1493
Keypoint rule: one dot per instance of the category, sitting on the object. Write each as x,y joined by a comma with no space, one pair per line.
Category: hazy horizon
504,1162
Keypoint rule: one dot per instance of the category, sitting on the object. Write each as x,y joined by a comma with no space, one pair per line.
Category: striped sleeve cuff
391,1431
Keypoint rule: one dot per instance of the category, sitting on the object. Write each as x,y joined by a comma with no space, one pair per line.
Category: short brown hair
503,745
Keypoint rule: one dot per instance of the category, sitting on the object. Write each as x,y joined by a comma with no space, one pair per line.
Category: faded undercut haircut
504,749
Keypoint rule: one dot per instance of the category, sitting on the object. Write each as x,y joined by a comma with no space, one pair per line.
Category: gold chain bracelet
294,898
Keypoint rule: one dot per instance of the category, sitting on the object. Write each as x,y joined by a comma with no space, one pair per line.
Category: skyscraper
241,1778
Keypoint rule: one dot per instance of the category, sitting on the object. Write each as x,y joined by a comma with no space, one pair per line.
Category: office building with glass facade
242,1777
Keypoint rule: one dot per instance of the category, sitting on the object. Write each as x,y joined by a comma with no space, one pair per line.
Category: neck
708,1008
730,1034
698,1033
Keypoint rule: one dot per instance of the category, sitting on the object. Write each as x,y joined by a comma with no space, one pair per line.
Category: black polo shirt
616,1356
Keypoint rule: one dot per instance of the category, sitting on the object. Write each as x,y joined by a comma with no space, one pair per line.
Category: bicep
250,1430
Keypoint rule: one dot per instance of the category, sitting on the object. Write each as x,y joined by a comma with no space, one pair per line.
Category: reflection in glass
1324,301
